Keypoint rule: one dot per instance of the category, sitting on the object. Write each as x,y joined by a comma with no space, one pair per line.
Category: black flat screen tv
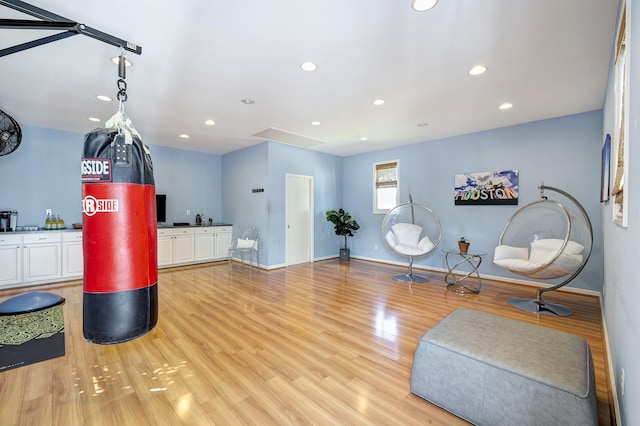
161,208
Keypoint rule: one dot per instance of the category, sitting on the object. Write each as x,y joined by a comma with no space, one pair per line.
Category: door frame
310,186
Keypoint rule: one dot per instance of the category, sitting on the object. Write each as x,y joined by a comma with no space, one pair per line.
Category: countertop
193,226
71,229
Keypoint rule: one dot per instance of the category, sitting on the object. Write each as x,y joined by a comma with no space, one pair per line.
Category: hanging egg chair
411,230
546,240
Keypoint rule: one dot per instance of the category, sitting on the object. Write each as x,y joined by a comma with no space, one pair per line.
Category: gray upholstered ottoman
492,370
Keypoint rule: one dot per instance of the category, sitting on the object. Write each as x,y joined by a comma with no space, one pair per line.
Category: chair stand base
411,278
540,307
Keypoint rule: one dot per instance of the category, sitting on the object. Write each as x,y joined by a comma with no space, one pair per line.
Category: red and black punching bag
120,300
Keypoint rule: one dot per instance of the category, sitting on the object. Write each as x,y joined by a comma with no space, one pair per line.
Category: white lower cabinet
175,246
205,244
223,241
42,256
165,247
10,259
182,246
72,255
183,241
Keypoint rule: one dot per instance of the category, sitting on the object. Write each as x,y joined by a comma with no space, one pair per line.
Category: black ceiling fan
10,134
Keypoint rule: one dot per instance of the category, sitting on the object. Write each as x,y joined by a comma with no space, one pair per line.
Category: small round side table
457,281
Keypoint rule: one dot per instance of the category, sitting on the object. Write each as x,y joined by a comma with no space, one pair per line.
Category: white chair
247,243
546,240
411,230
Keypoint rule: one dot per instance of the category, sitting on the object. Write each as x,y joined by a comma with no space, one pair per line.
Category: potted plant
463,245
344,226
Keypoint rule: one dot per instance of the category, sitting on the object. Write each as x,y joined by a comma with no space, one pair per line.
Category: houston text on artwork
491,196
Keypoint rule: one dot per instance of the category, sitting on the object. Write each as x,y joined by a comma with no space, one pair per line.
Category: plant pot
463,247
345,254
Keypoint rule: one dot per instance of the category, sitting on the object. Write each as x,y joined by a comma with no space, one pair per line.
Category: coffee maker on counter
8,221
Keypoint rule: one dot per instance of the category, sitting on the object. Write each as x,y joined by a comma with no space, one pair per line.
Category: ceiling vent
277,135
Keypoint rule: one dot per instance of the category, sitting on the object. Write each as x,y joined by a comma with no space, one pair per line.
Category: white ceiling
200,58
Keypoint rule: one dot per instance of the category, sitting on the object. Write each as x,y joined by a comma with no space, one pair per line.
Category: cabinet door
72,260
165,251
42,256
10,264
183,247
205,245
223,242
72,255
42,261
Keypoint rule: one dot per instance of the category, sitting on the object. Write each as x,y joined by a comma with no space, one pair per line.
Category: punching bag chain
122,84
122,90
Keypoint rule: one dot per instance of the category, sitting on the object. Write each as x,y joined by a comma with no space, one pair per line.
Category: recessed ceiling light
423,124
210,123
184,136
104,98
506,105
116,60
93,119
423,5
248,101
477,70
378,102
315,123
309,66
364,138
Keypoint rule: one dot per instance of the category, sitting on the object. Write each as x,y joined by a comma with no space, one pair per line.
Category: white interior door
299,219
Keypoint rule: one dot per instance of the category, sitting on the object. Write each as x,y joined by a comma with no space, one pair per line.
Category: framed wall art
486,188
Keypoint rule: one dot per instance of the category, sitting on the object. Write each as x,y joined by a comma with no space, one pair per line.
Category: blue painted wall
44,172
191,180
562,152
266,166
621,291
326,171
243,171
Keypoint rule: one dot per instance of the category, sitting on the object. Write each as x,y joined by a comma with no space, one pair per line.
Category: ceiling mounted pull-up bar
51,21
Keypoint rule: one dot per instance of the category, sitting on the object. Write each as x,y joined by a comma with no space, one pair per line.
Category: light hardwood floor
324,343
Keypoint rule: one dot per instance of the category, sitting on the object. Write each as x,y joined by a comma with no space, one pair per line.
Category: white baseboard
271,267
284,265
485,276
318,259
612,374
